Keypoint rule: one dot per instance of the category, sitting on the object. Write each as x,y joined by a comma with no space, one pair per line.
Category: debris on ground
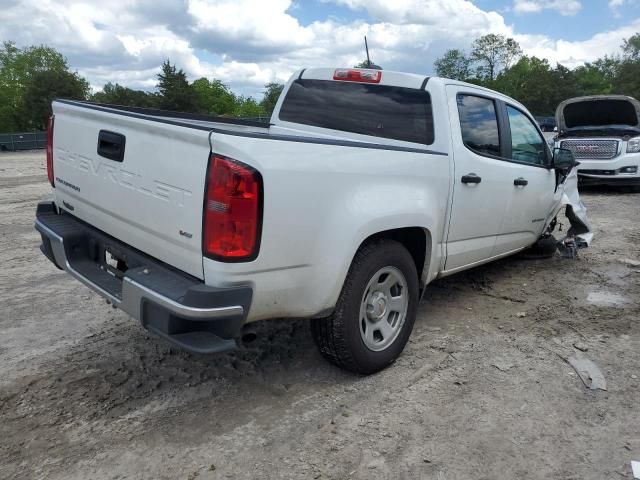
635,469
568,248
502,365
521,314
630,263
580,346
588,372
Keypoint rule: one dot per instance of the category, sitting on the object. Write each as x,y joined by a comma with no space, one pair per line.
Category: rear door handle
521,182
471,178
111,145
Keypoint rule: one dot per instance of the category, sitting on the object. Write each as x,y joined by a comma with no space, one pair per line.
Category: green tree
18,68
595,78
366,64
214,97
248,107
453,64
631,47
175,92
564,85
627,81
43,87
537,85
530,81
493,53
270,97
115,94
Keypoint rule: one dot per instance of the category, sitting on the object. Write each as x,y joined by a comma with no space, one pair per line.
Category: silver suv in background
603,132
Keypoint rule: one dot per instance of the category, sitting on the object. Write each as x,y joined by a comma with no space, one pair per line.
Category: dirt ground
482,390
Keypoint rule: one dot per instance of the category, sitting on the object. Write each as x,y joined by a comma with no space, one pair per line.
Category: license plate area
115,265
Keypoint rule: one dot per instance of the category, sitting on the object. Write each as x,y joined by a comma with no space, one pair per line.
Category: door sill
446,273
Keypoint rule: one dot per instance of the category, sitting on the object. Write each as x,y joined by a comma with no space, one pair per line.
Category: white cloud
572,54
616,6
453,13
247,43
563,7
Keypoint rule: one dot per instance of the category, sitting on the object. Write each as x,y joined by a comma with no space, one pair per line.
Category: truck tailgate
152,199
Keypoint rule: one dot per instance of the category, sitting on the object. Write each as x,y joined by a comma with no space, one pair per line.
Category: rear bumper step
180,308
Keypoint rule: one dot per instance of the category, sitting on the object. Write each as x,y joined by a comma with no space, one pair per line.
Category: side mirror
563,159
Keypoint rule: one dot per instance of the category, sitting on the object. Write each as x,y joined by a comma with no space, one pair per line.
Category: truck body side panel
321,201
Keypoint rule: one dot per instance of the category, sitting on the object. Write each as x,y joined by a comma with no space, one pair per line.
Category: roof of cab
399,79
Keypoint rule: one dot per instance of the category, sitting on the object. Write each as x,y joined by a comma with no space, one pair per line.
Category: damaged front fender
576,211
580,234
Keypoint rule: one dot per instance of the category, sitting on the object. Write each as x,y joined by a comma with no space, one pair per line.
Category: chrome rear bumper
176,306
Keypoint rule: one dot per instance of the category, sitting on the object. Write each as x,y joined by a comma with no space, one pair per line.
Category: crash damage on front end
578,235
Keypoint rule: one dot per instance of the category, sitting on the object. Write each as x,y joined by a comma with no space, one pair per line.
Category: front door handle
521,182
471,178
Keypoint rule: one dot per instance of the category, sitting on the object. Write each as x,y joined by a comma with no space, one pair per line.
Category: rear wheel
375,312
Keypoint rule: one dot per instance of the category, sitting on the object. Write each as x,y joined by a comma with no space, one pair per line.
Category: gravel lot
483,390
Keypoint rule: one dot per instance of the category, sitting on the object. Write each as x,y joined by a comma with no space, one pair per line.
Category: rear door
531,181
139,180
481,189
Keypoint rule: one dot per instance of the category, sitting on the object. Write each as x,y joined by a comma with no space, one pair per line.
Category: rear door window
379,110
479,124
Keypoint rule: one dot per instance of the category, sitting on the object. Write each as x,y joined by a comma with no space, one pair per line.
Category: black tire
544,248
338,336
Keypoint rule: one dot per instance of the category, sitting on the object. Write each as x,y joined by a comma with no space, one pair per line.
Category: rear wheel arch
347,337
417,240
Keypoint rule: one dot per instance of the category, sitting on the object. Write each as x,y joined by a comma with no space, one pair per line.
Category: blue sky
309,11
593,17
247,43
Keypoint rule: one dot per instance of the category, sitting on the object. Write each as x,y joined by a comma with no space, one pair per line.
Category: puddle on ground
607,299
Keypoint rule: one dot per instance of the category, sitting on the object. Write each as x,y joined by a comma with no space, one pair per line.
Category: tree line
174,92
31,77
497,62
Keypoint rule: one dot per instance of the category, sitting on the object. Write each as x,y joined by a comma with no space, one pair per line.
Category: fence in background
12,142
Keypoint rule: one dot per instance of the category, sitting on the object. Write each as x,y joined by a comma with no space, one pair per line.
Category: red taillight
350,75
50,150
232,210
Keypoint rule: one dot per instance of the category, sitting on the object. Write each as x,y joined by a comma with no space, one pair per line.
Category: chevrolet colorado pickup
603,133
366,186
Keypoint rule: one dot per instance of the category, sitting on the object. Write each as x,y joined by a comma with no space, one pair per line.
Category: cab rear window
379,110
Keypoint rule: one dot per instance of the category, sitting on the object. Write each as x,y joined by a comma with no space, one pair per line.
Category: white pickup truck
366,186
